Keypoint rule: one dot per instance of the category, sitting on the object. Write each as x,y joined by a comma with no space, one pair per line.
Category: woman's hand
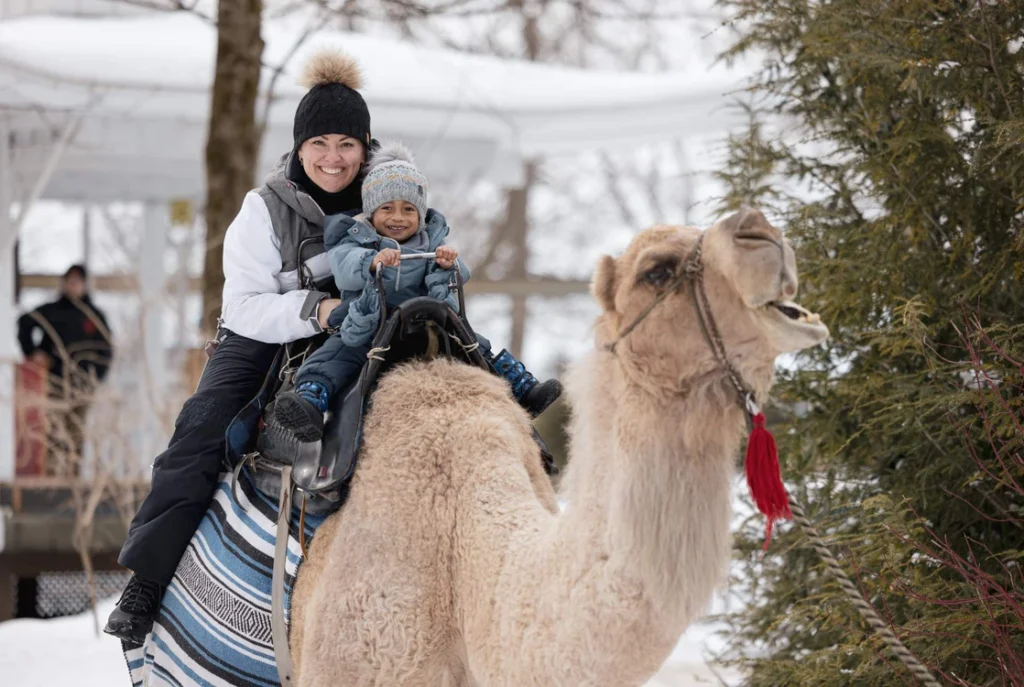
445,257
323,310
389,257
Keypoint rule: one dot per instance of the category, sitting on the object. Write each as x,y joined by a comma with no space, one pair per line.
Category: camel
452,563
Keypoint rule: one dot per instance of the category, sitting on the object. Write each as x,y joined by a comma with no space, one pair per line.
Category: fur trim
390,151
331,66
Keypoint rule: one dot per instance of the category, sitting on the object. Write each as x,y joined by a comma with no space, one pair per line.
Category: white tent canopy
139,90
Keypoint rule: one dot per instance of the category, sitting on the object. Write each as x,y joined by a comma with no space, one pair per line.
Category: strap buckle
751,405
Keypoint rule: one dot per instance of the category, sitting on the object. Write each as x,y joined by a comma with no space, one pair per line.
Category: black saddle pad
413,329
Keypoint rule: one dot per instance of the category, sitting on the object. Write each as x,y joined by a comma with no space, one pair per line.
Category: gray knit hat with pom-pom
333,104
392,175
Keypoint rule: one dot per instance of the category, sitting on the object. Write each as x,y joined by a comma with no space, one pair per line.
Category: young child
395,221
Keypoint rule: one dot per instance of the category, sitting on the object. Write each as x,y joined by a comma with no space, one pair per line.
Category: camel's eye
659,275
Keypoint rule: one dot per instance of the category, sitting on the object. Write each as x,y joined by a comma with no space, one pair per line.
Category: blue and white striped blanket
214,627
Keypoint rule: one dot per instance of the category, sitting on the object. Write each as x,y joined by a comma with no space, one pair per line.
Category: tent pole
9,354
87,239
153,300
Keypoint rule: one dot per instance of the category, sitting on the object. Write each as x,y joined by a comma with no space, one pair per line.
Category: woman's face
331,161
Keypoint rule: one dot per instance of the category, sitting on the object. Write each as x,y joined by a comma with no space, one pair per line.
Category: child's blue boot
302,411
532,395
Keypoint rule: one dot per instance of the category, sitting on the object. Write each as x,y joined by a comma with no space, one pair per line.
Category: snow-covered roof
141,86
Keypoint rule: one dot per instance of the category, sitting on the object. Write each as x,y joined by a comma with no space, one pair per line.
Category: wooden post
518,233
519,199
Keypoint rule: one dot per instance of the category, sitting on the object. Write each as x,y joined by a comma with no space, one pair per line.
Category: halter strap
693,271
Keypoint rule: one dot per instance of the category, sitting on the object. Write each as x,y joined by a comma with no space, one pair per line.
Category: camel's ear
745,220
603,286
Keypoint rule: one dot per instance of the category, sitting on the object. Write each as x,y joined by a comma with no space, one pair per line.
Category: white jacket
261,301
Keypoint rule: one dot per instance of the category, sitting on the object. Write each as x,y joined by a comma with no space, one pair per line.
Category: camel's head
750,279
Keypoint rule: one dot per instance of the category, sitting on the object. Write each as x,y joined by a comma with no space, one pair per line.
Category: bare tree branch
612,179
171,6
268,100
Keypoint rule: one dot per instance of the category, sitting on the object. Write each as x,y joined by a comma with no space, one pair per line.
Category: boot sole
132,634
292,415
551,394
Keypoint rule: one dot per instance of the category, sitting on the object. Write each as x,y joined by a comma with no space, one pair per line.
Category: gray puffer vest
298,223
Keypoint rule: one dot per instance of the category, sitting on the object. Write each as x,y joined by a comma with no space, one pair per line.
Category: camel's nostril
788,289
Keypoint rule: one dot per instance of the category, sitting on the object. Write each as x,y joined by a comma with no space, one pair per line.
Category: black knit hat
332,105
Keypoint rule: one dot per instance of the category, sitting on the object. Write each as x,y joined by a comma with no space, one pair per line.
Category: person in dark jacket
70,338
396,221
264,305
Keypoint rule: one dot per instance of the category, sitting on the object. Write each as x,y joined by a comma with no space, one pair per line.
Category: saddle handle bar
408,256
401,257
378,278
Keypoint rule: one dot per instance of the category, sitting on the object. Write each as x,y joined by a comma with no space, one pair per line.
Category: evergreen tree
888,142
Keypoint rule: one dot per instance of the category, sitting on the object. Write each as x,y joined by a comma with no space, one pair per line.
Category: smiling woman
332,161
268,301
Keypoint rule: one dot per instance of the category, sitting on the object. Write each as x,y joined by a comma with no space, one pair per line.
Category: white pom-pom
331,66
390,151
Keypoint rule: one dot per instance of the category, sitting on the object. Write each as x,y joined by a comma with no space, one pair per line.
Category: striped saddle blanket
214,626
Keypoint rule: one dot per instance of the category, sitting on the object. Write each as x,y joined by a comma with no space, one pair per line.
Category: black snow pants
185,475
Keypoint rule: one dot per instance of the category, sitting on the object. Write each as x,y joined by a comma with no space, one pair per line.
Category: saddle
417,327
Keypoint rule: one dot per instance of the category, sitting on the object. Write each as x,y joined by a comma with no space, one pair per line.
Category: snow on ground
65,651
62,651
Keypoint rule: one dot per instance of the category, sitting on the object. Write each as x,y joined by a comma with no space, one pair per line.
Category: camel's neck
657,473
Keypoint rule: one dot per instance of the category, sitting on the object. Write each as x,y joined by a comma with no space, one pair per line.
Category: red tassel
764,478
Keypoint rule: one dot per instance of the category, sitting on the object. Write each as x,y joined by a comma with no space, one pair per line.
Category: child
395,201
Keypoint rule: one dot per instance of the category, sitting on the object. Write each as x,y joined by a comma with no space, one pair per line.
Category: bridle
762,458
693,272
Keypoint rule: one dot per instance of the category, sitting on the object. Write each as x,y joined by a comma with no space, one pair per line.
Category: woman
263,307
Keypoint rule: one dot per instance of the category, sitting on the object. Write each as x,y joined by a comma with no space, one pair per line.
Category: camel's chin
791,328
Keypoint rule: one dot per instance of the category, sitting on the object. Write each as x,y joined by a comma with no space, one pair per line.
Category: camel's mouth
796,313
791,327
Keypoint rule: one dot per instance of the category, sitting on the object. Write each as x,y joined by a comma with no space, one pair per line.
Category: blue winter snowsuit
351,246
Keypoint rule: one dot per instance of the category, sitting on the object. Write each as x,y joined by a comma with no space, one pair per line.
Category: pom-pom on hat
333,104
392,175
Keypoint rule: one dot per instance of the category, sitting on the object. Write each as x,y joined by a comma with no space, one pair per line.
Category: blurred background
885,138
551,131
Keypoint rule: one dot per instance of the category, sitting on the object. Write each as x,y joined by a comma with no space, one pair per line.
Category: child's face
398,220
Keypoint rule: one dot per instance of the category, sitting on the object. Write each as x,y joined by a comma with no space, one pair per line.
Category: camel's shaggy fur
451,565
